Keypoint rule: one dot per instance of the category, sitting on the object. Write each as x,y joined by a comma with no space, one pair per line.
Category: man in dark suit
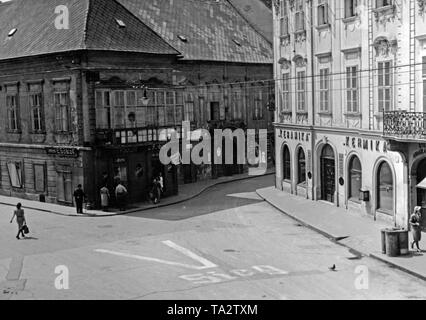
79,197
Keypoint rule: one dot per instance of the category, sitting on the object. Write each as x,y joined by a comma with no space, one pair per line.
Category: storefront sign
366,144
294,135
62,152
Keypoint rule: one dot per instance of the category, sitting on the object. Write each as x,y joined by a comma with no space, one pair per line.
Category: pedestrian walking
20,219
120,195
155,191
79,197
416,228
105,196
161,182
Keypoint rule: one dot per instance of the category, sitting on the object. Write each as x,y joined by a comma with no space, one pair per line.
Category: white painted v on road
206,264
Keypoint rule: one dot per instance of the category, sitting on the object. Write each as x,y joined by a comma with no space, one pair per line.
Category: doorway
421,193
328,174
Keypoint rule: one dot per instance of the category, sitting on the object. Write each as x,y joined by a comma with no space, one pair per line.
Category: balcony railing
134,136
404,124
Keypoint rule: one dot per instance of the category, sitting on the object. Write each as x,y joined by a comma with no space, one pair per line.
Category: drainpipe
314,191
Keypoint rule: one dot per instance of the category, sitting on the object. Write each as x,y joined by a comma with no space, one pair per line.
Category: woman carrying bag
20,219
416,229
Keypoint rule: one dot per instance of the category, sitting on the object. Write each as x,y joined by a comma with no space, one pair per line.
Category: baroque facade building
91,90
350,120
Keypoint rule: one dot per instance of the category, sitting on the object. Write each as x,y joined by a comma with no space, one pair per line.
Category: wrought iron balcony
404,125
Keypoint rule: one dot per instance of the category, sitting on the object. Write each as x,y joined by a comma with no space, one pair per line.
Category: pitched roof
258,15
214,30
92,25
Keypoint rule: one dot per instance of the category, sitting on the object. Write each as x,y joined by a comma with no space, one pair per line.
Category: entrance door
328,174
421,193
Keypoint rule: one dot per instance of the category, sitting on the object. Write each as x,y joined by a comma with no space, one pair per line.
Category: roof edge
153,31
248,22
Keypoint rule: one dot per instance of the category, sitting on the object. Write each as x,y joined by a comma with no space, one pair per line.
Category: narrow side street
225,244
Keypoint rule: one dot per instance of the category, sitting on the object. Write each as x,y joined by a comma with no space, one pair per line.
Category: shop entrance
328,174
421,190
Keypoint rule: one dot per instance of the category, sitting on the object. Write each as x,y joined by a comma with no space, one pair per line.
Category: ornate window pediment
285,63
384,47
300,61
385,14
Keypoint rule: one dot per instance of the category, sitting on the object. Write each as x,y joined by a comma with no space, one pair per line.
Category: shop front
355,171
135,167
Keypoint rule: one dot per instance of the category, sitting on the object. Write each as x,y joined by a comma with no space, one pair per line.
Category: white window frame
284,21
15,171
62,110
301,91
299,16
350,8
381,103
352,106
324,89
322,13
286,92
37,123
12,111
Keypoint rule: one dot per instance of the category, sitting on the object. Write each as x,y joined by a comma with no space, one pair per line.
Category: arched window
355,178
301,167
327,152
385,188
286,164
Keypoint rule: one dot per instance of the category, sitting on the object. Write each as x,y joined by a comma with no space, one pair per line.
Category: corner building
351,87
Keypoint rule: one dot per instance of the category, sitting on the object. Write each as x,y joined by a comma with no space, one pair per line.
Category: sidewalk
186,192
350,229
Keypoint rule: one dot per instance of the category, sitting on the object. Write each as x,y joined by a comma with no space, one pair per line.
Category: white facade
349,76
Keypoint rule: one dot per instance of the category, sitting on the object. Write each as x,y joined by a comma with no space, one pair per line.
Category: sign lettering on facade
294,135
63,152
366,144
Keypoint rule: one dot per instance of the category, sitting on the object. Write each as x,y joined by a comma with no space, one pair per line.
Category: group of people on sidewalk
120,196
121,193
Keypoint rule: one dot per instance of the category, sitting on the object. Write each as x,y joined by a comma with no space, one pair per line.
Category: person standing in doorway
20,219
120,195
416,228
79,197
105,198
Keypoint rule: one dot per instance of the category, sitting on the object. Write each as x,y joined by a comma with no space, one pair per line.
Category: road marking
220,277
15,268
205,263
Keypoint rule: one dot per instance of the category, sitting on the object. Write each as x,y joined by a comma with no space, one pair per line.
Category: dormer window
120,23
12,32
182,38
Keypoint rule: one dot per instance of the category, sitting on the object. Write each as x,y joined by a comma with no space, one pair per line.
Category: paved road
226,244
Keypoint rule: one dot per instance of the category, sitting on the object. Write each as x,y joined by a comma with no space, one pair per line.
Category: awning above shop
422,185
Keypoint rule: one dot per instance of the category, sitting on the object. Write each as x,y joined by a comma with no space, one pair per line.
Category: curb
396,266
147,208
337,241
318,230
